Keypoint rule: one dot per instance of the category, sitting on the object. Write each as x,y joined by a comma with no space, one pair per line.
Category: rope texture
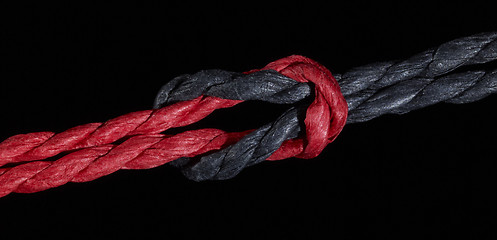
90,151
424,79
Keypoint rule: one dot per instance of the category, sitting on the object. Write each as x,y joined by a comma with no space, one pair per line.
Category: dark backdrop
429,174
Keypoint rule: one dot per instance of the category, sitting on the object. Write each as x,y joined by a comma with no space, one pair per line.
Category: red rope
41,145
91,154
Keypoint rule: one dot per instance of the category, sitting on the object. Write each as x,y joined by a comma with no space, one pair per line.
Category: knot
285,81
327,114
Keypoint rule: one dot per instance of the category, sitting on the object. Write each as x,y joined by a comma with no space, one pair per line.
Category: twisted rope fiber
424,79
370,91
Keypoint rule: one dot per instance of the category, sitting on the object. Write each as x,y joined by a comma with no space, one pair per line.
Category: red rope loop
325,117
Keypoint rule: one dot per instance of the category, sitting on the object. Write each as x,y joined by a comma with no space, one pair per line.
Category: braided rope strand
138,152
425,79
41,145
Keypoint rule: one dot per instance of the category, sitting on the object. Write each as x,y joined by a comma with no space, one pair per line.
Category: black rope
424,79
250,150
396,87
268,85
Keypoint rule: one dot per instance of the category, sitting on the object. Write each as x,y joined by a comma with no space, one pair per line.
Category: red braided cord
138,152
41,145
95,158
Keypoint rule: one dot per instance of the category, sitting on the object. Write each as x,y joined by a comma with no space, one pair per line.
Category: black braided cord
424,79
394,87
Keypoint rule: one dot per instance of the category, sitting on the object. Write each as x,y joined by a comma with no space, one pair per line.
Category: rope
42,145
455,72
424,79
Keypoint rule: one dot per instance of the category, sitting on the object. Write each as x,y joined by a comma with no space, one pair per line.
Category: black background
429,174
